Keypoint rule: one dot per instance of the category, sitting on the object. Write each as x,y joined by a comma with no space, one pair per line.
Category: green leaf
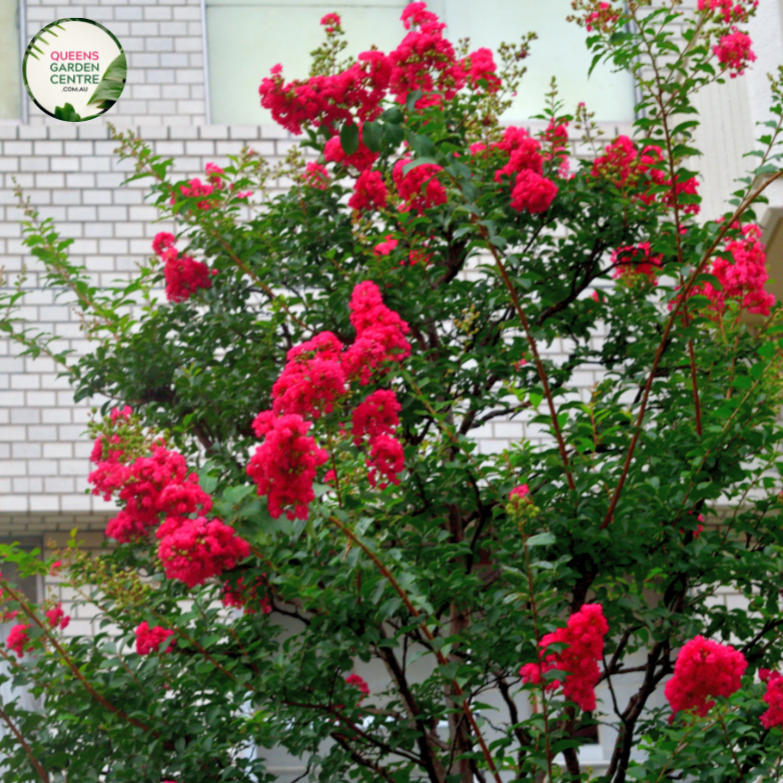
112,84
372,136
349,138
542,539
67,113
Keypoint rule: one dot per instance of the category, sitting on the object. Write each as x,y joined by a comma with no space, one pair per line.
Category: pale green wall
247,37
10,70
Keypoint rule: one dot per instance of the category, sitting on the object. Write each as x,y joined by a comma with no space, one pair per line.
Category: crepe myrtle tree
290,436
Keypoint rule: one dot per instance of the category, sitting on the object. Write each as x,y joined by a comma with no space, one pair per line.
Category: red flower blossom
773,697
149,640
584,637
358,682
386,459
18,638
184,276
284,465
316,176
57,618
480,65
194,550
532,192
386,247
331,22
377,415
362,159
704,669
420,188
246,598
734,52
163,241
523,151
369,192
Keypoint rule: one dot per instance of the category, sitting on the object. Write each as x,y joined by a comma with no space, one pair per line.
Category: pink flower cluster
773,697
327,100
149,640
530,190
316,176
704,669
385,248
359,683
191,550
369,193
57,617
424,60
734,53
18,639
312,379
729,10
316,376
636,261
184,275
744,277
520,493
420,187
150,486
194,550
624,168
603,18
195,188
480,65
555,138
584,637
285,464
362,159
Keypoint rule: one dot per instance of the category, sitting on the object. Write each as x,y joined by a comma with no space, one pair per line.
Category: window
10,61
247,37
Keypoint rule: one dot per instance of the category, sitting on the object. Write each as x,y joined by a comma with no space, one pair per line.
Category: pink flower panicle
385,248
285,464
377,415
380,334
636,262
737,11
420,187
57,618
331,23
149,640
743,277
734,53
316,176
194,550
617,164
324,101
603,18
369,192
584,637
773,697
424,60
359,683
385,461
18,639
704,669
522,491
162,242
362,159
533,193
184,276
524,153
480,65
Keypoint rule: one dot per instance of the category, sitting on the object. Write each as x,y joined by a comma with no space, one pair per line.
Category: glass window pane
247,37
10,65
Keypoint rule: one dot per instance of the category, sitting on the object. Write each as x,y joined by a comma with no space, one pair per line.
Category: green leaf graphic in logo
110,88
67,113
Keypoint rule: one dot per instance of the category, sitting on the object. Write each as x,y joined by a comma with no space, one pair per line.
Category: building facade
193,71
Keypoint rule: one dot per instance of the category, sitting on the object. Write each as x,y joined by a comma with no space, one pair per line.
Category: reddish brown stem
27,749
426,631
685,292
534,350
696,403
